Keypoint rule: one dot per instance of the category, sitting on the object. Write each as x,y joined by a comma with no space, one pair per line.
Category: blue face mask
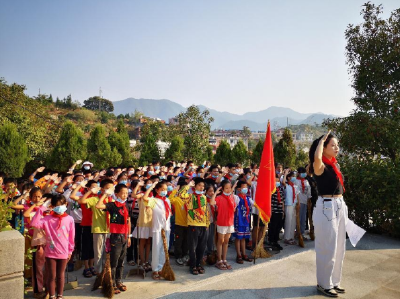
199,192
248,177
162,178
151,172
60,209
277,184
86,167
170,188
244,190
148,186
303,175
123,182
120,200
156,167
293,179
227,194
215,176
163,193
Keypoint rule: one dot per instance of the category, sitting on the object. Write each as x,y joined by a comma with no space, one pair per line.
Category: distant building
173,121
305,137
132,143
162,147
215,141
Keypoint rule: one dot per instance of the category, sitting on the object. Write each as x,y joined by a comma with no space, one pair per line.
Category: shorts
255,221
223,230
142,232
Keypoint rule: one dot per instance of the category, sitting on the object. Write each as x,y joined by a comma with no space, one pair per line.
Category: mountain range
256,121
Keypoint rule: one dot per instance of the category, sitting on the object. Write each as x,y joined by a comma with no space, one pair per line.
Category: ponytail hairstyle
313,149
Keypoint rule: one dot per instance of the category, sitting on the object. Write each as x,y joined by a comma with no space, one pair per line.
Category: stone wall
12,247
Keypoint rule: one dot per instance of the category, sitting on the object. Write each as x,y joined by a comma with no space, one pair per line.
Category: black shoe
327,292
340,290
276,245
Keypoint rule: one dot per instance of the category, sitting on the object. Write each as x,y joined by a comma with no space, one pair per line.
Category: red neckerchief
54,214
303,187
198,198
125,213
278,192
333,163
228,176
244,197
293,191
29,203
166,205
211,206
230,201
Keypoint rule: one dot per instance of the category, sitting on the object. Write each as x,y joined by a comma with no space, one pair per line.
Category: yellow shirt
99,223
194,217
177,199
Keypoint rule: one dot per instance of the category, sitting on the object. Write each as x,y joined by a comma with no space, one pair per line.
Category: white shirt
303,196
73,208
289,194
159,222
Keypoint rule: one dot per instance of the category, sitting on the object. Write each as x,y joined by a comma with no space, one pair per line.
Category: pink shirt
59,236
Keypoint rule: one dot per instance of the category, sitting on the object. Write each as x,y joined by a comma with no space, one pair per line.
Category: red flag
266,179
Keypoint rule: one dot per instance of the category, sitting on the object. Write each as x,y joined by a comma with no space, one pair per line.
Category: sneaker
340,290
327,292
186,258
180,262
87,273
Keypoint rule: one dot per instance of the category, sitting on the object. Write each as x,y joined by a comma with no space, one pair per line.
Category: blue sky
235,56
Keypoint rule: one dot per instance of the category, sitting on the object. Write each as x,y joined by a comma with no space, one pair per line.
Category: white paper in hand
354,231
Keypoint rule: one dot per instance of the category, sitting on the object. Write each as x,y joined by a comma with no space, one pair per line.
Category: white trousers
290,222
330,240
157,253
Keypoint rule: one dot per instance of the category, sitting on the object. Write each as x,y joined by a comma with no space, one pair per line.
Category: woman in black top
329,215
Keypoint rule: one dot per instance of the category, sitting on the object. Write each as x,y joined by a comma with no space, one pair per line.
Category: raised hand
78,162
40,169
83,183
141,183
110,191
325,136
95,190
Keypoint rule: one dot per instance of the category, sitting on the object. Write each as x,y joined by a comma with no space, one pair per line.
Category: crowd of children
76,217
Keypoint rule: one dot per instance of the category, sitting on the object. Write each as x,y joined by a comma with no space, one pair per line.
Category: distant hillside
256,121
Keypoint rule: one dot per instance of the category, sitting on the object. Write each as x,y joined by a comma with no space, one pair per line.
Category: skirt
223,230
142,232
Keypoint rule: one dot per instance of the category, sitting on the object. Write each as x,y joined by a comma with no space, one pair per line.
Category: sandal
93,271
147,267
155,276
87,273
194,271
131,263
247,259
229,267
201,270
239,259
116,290
220,265
121,287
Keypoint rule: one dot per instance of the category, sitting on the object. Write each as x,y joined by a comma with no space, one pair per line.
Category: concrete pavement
372,270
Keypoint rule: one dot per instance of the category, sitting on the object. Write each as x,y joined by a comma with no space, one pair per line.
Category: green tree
175,150
99,150
31,119
71,146
149,151
285,150
301,158
240,153
195,127
210,154
120,141
246,132
223,155
98,103
13,151
257,152
370,135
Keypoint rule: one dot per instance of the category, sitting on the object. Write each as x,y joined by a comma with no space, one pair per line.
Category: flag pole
257,230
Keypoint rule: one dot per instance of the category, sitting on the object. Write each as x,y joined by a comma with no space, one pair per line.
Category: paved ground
372,270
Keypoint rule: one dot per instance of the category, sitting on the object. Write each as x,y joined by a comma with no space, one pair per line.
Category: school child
177,199
85,226
233,173
304,195
100,221
38,243
143,230
120,228
59,228
277,208
209,192
197,220
291,204
242,222
226,203
161,208
132,251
